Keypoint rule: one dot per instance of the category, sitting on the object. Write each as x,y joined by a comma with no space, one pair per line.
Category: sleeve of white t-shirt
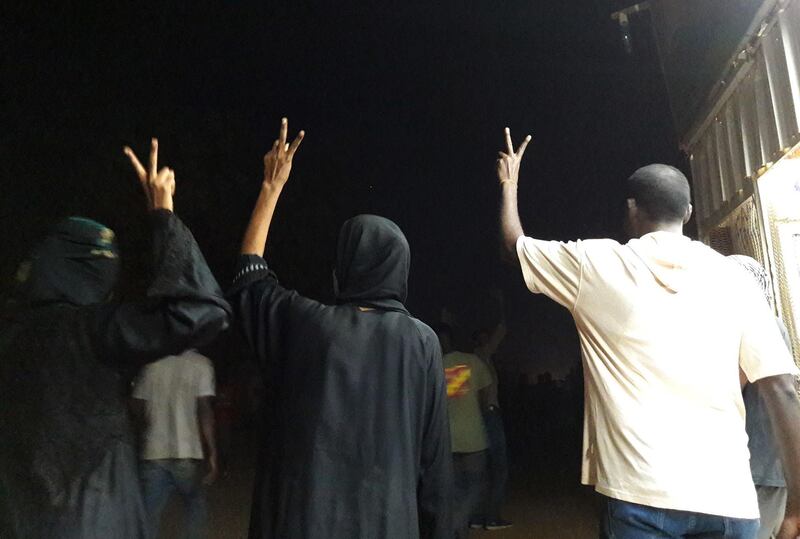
143,387
205,381
762,352
552,268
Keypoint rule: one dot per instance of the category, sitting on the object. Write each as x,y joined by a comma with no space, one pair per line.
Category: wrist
271,190
163,203
508,182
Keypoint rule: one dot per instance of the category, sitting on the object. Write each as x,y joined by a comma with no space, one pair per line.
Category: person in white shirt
172,399
665,324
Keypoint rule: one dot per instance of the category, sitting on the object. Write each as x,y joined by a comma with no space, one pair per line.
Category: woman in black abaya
68,465
357,441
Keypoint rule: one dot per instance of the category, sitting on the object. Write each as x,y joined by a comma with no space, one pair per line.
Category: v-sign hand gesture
278,161
158,185
509,161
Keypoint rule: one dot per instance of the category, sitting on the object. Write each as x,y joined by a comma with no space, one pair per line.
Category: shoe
476,524
500,524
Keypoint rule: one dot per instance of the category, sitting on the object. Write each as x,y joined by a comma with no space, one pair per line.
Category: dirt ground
542,504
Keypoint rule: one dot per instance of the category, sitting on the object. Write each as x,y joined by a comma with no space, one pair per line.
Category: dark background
403,105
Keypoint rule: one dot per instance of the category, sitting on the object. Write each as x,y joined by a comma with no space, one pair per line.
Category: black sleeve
183,307
435,489
263,308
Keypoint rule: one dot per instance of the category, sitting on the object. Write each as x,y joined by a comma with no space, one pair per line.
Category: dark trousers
468,472
625,520
496,468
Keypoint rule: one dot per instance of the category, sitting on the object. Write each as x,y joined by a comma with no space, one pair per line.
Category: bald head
661,192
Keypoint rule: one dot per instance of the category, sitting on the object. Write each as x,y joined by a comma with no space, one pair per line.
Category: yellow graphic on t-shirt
458,380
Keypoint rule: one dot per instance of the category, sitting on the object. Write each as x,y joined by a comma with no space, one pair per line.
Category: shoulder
700,249
197,360
424,331
463,357
599,244
428,340
599,247
196,356
577,248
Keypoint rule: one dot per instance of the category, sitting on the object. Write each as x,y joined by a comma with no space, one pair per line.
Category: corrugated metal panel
767,130
696,40
755,123
790,29
780,90
726,180
713,171
701,198
745,99
740,148
732,123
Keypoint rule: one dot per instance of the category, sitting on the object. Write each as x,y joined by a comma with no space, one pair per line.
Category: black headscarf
372,263
77,263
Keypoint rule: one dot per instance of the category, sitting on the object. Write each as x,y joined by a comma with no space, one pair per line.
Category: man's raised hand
278,161
158,185
509,161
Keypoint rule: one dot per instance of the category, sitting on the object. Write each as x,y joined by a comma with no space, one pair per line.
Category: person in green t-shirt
467,380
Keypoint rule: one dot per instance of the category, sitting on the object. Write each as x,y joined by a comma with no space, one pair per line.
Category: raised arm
550,268
508,173
184,306
277,166
260,304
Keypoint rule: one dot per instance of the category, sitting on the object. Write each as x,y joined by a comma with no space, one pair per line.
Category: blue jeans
496,469
161,478
468,474
625,520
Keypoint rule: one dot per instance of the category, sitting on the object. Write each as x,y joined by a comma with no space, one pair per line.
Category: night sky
403,106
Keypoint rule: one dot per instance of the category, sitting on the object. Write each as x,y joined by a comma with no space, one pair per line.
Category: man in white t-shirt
665,323
172,398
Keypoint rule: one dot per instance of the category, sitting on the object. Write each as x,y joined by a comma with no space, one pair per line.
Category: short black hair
661,191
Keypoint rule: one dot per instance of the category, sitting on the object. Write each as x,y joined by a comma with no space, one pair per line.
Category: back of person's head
661,192
372,261
76,263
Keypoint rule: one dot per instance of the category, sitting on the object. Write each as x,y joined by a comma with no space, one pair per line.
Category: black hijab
77,263
372,264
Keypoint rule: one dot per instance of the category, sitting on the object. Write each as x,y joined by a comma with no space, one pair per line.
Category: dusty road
541,508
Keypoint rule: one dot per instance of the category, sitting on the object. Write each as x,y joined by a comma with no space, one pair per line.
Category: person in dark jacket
68,465
357,444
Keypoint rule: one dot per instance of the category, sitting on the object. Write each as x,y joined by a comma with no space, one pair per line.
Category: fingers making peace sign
509,161
158,185
278,161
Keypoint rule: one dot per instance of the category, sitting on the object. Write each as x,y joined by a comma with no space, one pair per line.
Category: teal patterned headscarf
77,263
